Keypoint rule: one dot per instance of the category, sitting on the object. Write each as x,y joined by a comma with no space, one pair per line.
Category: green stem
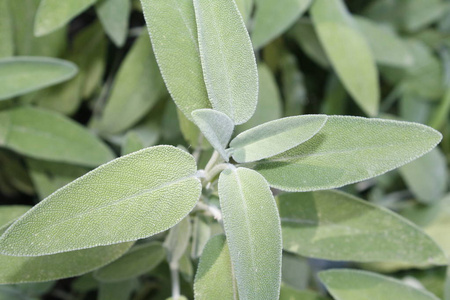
175,280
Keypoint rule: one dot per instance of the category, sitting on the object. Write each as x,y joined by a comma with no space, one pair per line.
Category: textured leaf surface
228,60
337,226
352,60
275,137
348,150
114,16
252,227
173,32
21,75
216,126
245,8
46,135
155,186
215,276
359,285
6,31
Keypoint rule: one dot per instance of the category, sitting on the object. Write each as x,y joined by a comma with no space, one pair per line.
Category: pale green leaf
352,60
49,136
252,227
138,261
348,150
294,86
186,268
216,126
295,271
215,277
156,186
117,291
346,284
114,15
132,142
201,232
275,137
288,293
417,14
6,30
228,61
438,227
337,226
272,18
191,132
54,14
9,213
245,8
177,240
21,75
172,28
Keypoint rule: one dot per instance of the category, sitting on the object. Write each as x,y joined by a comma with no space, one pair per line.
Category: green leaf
252,227
177,240
132,142
352,60
275,137
337,226
138,261
232,84
348,150
49,136
201,232
215,276
114,16
117,290
346,284
191,132
156,186
295,271
6,31
54,14
272,18
172,28
216,126
417,14
288,293
21,75
9,213
245,8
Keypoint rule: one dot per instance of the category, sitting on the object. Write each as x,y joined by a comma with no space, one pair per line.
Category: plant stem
175,280
212,161
216,170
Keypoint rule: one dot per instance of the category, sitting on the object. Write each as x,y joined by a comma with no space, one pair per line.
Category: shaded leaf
6,31
288,293
117,291
245,8
114,15
177,240
201,232
9,213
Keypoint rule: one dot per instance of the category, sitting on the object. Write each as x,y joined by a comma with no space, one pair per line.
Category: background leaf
6,31
114,15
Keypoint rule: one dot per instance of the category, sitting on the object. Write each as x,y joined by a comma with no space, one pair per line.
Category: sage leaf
245,8
6,31
54,14
138,261
347,150
346,284
227,57
272,18
295,271
173,32
288,293
252,227
417,14
156,186
177,240
275,137
118,290
215,277
352,60
191,132
49,136
21,75
333,225
201,232
114,16
132,142
216,126
9,213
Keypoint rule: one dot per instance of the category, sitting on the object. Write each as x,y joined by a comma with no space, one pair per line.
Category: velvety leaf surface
6,31
252,227
275,137
337,226
227,58
245,8
156,186
348,150
21,75
114,16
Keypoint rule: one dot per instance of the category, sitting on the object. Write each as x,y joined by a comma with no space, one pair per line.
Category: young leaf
252,227
114,16
275,137
228,61
346,284
9,213
348,150
156,187
118,290
215,276
337,226
54,14
6,31
21,75
138,261
49,136
352,60
178,240
172,28
216,126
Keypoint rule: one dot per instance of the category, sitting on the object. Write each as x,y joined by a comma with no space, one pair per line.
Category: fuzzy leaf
178,240
6,31
114,15
201,232
245,8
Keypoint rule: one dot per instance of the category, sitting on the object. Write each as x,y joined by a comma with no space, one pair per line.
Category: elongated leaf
118,290
215,276
177,240
417,14
46,135
216,126
155,186
272,18
275,137
352,60
138,261
173,32
232,84
337,226
114,16
6,31
252,227
295,271
358,285
288,293
201,232
131,142
348,150
21,75
9,213
245,8
54,14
